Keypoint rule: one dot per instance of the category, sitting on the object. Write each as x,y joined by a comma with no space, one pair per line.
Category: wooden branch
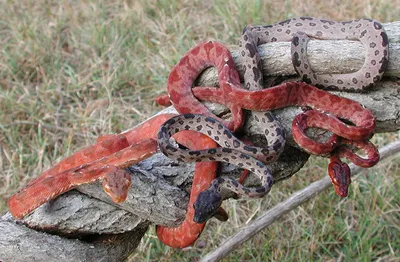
159,193
275,213
19,243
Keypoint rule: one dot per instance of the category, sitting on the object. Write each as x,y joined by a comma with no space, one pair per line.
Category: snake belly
298,30
232,151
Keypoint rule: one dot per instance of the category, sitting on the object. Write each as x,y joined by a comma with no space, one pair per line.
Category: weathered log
160,187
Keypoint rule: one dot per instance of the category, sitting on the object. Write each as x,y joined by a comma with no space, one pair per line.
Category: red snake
105,159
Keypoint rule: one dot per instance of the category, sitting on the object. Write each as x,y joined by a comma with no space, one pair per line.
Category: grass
72,71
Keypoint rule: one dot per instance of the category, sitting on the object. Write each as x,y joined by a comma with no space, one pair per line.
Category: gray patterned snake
232,151
298,30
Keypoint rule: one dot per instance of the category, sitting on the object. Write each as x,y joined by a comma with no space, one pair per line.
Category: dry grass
71,71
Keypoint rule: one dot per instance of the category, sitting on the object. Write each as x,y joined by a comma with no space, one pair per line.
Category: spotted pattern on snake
232,151
298,30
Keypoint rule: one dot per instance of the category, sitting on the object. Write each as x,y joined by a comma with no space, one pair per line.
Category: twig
291,203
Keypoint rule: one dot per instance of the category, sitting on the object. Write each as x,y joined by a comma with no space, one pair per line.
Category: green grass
70,72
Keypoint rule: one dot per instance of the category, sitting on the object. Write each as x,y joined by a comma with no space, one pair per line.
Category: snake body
298,30
109,167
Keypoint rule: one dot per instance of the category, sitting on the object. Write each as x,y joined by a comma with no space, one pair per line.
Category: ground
72,70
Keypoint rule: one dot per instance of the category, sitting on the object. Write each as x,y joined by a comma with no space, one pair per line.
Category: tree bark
160,187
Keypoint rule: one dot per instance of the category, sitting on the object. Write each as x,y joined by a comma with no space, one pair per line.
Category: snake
232,151
299,30
207,131
105,160
109,168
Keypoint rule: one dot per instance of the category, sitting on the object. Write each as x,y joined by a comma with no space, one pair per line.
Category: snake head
206,205
340,175
116,184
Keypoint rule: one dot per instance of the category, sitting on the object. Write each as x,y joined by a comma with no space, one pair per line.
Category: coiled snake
232,151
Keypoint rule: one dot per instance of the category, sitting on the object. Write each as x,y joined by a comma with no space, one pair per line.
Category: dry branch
160,186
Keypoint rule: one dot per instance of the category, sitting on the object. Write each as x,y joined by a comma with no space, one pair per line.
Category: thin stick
276,212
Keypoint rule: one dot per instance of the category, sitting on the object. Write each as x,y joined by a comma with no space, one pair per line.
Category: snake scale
107,158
